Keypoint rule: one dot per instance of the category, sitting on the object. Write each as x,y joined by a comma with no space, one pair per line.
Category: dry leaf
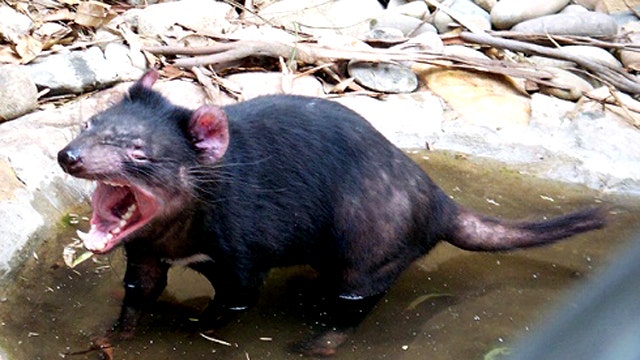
59,15
92,14
8,56
28,48
51,33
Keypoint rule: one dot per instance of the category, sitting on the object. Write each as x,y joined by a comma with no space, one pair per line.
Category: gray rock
390,78
593,53
13,24
465,9
18,94
73,72
584,24
409,25
507,13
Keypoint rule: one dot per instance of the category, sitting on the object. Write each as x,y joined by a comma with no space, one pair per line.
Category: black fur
303,181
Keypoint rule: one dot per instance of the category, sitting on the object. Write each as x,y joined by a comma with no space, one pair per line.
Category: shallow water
451,304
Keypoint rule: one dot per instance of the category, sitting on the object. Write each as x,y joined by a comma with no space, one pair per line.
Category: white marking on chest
193,259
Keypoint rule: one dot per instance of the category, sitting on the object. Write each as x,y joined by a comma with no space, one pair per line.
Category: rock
573,8
13,24
321,17
385,34
593,53
507,13
486,5
466,9
464,52
631,59
392,78
73,72
569,86
155,20
542,61
416,9
428,41
255,84
583,24
18,94
122,58
588,4
409,121
409,26
480,99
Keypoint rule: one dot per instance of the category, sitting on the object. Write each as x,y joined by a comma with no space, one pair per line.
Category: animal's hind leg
343,315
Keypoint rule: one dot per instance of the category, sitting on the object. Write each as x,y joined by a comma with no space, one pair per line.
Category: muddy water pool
451,304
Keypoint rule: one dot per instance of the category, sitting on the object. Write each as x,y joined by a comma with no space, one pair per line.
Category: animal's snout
70,160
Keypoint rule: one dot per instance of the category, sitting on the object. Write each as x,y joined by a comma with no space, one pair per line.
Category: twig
621,80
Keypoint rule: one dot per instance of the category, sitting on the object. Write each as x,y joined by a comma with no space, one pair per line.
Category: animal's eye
138,155
86,125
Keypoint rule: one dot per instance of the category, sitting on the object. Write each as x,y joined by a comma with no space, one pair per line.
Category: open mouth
119,209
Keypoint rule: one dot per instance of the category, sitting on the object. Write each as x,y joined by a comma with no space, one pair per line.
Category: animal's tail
480,233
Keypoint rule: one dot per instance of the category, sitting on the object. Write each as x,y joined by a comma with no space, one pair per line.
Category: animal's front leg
235,292
144,281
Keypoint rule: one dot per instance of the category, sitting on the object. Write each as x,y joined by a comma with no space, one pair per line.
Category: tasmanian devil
279,180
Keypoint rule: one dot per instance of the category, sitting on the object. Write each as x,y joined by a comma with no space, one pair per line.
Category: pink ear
209,132
148,79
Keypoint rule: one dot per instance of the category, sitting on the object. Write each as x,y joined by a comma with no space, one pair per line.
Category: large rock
18,94
576,23
507,13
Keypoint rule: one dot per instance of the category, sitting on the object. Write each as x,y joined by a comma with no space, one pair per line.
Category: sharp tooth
108,237
82,235
117,230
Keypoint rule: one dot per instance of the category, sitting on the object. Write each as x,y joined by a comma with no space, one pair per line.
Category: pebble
409,25
570,86
593,53
507,13
578,23
391,78
467,10
18,94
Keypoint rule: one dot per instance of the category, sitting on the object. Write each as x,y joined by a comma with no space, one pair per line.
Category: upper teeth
111,183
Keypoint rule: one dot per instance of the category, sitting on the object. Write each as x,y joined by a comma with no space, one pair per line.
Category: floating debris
74,254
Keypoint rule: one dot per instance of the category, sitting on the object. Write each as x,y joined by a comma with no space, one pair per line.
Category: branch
621,80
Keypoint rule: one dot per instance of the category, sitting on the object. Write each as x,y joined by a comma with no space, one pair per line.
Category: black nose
70,160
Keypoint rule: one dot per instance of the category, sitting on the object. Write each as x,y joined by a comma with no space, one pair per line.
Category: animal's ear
148,79
209,132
